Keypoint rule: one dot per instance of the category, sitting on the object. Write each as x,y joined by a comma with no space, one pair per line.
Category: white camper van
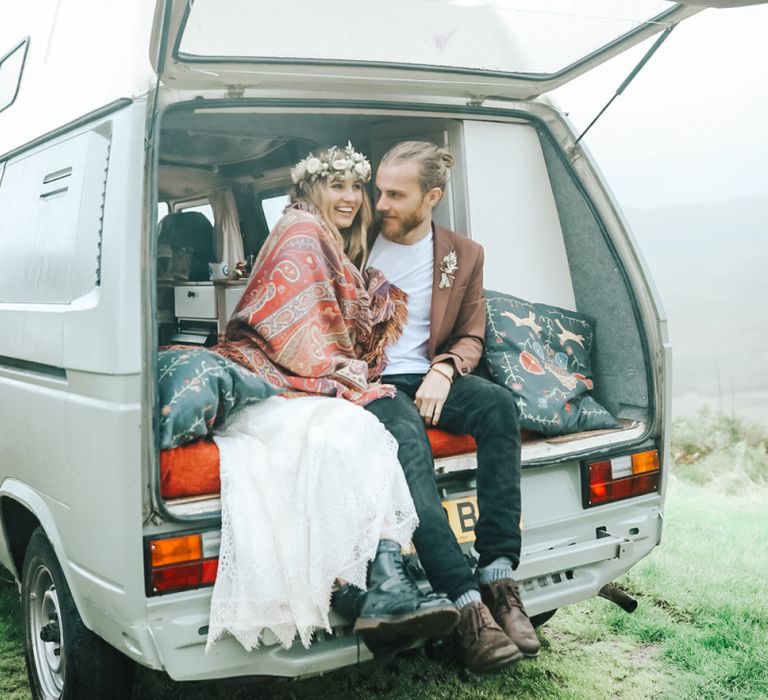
115,116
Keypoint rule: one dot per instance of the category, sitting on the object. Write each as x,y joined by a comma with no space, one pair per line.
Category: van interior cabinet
201,310
196,300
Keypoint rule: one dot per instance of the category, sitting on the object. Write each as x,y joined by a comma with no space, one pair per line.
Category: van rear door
507,49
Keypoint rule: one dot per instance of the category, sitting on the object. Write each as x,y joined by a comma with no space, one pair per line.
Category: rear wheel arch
18,523
22,511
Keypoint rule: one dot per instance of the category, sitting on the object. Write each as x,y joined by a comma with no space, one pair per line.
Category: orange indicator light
645,462
173,550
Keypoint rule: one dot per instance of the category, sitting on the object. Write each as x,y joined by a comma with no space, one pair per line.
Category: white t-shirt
410,267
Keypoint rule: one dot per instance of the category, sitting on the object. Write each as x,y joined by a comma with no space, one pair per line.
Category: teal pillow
199,390
541,354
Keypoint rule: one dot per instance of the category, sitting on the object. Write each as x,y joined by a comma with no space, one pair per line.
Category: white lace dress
308,488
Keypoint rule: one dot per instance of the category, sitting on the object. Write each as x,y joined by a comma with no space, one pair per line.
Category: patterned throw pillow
542,355
199,390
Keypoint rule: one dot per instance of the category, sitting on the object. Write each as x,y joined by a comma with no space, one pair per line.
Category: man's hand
433,392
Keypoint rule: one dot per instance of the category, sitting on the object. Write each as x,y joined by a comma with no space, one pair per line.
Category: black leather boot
394,607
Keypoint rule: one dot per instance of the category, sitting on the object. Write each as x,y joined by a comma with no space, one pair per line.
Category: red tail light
181,562
621,477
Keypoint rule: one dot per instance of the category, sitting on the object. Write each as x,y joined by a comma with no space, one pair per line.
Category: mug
218,271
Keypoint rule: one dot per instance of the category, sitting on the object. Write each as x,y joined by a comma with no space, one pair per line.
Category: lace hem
309,487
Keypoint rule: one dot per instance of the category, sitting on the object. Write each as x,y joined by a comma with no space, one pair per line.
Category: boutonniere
448,268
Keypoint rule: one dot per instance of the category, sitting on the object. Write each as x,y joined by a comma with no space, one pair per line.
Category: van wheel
64,658
541,618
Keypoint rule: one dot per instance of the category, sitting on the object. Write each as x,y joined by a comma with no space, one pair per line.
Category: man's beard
399,227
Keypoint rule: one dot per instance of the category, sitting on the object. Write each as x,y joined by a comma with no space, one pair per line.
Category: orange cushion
447,444
193,469
190,470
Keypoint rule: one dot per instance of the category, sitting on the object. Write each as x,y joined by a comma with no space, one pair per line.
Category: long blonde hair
354,240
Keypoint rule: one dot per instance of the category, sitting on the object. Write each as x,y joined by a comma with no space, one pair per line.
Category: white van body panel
55,321
82,55
70,373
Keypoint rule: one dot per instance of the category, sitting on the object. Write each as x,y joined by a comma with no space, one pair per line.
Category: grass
700,631
720,451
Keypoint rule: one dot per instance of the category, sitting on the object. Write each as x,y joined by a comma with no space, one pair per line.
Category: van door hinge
235,91
476,100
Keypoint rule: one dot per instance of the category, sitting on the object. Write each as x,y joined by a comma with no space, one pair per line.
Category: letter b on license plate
462,516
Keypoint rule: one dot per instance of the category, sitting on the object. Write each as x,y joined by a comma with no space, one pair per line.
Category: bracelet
441,372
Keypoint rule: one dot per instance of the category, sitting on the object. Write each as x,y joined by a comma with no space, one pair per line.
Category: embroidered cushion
199,390
541,354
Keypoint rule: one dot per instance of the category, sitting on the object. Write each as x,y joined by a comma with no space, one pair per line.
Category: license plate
462,517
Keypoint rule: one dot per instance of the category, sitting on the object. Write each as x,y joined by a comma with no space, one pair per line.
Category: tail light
621,477
181,562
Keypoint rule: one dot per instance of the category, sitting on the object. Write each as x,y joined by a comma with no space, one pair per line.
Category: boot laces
404,575
480,617
510,597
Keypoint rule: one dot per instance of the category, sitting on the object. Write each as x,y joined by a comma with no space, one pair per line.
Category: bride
310,483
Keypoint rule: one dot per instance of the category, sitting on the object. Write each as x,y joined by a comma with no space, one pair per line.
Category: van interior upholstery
511,190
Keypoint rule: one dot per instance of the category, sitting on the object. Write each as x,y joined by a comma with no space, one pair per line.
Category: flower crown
337,163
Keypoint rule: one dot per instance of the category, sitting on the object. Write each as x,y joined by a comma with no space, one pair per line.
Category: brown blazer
457,318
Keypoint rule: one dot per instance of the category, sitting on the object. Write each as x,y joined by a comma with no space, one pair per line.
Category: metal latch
625,548
624,544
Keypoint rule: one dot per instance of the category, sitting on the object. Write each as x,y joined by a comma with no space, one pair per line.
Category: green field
700,631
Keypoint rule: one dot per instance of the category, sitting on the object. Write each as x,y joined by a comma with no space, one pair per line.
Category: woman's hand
433,392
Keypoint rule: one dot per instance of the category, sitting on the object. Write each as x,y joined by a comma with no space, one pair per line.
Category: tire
64,658
541,618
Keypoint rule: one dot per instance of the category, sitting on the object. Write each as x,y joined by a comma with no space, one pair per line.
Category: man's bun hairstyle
434,162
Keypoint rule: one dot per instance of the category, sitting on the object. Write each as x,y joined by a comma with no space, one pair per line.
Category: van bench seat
193,469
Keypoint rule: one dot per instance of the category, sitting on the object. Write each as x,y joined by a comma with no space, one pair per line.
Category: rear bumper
572,572
179,633
551,574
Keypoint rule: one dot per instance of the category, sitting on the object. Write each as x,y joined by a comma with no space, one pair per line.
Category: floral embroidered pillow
541,354
199,390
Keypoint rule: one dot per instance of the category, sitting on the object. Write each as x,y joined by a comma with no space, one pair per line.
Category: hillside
710,264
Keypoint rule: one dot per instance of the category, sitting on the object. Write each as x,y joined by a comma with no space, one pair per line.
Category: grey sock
497,569
387,546
471,596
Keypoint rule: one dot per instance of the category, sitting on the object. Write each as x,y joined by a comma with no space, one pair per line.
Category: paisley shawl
309,321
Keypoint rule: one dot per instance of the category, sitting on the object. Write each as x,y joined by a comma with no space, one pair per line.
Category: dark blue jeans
488,413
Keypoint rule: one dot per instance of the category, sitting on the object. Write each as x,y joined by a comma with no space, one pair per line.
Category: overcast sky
693,125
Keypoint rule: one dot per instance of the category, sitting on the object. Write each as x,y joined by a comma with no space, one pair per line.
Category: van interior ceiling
543,241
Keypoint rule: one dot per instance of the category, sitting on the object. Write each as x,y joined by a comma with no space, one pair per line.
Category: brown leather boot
485,647
503,600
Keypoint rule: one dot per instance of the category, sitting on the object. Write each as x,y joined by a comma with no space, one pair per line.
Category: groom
431,366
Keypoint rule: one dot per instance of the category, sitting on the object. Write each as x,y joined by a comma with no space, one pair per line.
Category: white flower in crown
299,171
448,268
337,163
312,165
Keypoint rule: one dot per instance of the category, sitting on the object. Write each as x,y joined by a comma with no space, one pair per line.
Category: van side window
272,208
51,218
205,209
11,68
